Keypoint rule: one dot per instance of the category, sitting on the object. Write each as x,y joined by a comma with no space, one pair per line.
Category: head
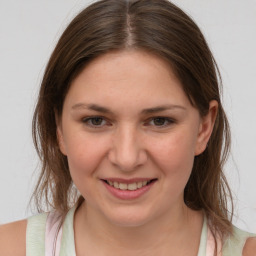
156,28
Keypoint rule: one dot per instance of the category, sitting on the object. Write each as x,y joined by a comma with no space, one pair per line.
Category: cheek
174,155
85,154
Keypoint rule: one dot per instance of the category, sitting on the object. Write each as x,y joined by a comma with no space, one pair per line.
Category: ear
206,127
59,133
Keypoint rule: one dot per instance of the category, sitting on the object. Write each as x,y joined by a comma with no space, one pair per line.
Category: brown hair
156,26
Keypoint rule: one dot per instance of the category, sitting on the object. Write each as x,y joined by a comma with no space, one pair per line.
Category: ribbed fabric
35,235
53,234
36,231
68,242
234,245
210,248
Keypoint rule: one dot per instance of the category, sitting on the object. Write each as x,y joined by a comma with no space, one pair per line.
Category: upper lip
128,181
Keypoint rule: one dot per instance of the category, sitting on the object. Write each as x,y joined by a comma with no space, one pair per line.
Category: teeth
132,186
124,186
139,184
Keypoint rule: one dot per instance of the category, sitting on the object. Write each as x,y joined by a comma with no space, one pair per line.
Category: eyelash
165,119
88,121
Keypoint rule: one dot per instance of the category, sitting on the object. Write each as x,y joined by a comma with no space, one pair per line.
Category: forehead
125,78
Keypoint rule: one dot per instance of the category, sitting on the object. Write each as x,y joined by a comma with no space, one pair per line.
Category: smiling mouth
130,186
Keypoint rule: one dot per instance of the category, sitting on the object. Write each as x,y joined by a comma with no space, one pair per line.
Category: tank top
45,237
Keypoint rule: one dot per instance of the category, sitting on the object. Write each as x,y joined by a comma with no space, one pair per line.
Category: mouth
129,186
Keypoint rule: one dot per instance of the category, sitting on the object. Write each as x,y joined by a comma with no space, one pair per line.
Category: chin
129,219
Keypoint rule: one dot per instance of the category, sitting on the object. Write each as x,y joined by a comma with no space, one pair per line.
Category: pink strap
52,227
210,246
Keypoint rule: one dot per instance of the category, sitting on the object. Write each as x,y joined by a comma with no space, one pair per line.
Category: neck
165,232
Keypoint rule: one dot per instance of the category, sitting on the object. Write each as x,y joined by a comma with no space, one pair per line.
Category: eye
161,121
95,122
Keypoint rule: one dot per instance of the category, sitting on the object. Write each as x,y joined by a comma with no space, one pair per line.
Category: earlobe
206,127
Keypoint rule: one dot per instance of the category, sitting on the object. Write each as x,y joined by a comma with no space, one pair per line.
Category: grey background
29,30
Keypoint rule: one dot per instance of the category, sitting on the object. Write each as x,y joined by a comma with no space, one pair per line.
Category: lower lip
128,194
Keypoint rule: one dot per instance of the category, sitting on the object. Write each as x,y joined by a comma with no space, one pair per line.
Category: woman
133,137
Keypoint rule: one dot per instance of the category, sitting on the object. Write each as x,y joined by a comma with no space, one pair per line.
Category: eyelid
85,120
168,119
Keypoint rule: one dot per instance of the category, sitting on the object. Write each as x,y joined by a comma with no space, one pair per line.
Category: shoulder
250,247
13,238
240,243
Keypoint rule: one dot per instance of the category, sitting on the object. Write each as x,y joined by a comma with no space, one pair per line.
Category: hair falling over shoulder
156,26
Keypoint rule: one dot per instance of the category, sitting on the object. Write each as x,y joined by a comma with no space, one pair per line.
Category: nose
127,152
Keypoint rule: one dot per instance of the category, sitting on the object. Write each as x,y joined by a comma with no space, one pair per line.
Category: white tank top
53,235
45,237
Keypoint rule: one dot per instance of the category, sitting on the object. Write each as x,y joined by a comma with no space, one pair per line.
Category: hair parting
158,27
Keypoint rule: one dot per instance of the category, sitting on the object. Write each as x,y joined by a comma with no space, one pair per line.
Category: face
130,135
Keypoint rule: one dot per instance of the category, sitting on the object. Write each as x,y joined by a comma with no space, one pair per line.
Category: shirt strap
53,234
35,233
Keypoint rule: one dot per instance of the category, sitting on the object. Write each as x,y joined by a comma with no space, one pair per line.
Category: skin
13,238
129,144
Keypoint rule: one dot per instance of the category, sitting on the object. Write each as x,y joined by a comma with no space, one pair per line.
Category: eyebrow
94,107
105,110
161,108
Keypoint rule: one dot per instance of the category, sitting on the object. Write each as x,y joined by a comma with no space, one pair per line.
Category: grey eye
96,121
159,121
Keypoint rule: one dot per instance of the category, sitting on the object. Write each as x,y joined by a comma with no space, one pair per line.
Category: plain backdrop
29,30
